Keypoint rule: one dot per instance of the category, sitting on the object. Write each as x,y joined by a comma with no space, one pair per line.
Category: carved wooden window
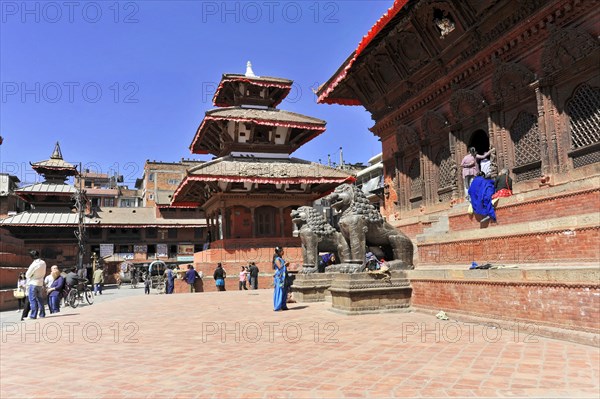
446,172
525,136
265,221
416,184
584,122
261,134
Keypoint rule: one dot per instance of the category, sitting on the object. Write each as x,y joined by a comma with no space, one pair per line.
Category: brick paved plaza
232,345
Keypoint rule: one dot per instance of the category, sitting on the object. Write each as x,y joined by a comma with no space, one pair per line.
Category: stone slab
370,293
312,287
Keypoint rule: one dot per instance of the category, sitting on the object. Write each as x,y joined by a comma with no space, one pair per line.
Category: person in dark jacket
55,290
219,275
503,186
170,280
190,277
253,269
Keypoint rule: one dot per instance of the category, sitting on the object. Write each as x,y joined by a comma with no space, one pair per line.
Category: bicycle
78,294
160,285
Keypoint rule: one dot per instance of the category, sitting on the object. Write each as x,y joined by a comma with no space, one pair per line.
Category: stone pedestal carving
312,287
370,293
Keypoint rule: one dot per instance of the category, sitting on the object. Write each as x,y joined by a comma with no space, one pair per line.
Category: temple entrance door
480,140
265,221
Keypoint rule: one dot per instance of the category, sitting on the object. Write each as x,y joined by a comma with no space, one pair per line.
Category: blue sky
121,82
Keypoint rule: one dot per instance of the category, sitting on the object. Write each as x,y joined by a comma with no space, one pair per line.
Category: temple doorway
479,140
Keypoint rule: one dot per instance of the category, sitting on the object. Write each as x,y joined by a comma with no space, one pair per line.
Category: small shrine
53,193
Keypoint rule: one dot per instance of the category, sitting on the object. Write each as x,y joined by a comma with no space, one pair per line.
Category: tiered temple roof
55,169
253,141
249,121
259,175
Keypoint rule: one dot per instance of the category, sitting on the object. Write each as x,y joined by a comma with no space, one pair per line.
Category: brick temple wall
551,227
558,298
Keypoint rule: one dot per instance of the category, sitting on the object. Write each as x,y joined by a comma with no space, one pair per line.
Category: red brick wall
9,276
412,230
563,305
265,281
556,247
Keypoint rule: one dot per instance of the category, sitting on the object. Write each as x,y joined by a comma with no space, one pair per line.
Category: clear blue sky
119,83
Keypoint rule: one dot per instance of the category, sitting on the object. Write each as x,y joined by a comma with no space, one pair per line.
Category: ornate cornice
431,88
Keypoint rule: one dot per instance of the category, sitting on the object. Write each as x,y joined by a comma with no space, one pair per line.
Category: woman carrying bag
19,293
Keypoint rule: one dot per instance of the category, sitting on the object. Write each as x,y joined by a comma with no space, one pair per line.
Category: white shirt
485,166
36,272
48,281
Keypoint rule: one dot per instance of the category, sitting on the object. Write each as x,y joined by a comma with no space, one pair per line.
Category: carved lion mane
306,215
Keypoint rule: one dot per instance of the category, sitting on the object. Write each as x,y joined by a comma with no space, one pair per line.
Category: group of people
249,277
40,289
481,191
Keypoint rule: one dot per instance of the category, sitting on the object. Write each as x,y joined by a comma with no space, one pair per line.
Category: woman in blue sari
280,293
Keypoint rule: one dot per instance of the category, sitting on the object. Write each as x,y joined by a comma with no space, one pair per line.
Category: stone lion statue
363,226
317,236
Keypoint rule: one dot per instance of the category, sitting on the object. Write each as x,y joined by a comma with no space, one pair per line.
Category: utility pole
81,235
341,158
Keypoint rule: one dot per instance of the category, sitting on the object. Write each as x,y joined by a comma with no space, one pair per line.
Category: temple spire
56,154
249,71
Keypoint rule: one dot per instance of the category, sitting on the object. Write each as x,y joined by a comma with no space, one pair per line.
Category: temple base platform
361,293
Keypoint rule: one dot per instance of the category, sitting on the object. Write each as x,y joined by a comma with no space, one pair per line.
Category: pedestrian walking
22,287
190,277
279,280
98,280
253,276
242,284
220,275
35,273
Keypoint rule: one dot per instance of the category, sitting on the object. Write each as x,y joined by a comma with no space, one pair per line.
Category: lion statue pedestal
361,293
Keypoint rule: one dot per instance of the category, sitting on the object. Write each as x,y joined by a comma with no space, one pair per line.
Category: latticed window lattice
446,172
416,182
584,116
526,139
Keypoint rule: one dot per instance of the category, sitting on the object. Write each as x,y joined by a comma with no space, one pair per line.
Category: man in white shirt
35,275
486,167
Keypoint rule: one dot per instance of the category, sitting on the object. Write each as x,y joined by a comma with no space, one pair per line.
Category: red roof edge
366,40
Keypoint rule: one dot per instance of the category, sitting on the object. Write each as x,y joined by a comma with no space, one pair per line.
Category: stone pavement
232,345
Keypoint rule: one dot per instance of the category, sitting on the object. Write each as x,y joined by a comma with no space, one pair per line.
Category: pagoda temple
136,234
250,188
53,195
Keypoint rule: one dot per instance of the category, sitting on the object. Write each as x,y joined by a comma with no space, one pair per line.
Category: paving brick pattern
232,345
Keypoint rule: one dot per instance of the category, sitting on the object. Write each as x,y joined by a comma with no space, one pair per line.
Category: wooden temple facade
439,77
518,77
